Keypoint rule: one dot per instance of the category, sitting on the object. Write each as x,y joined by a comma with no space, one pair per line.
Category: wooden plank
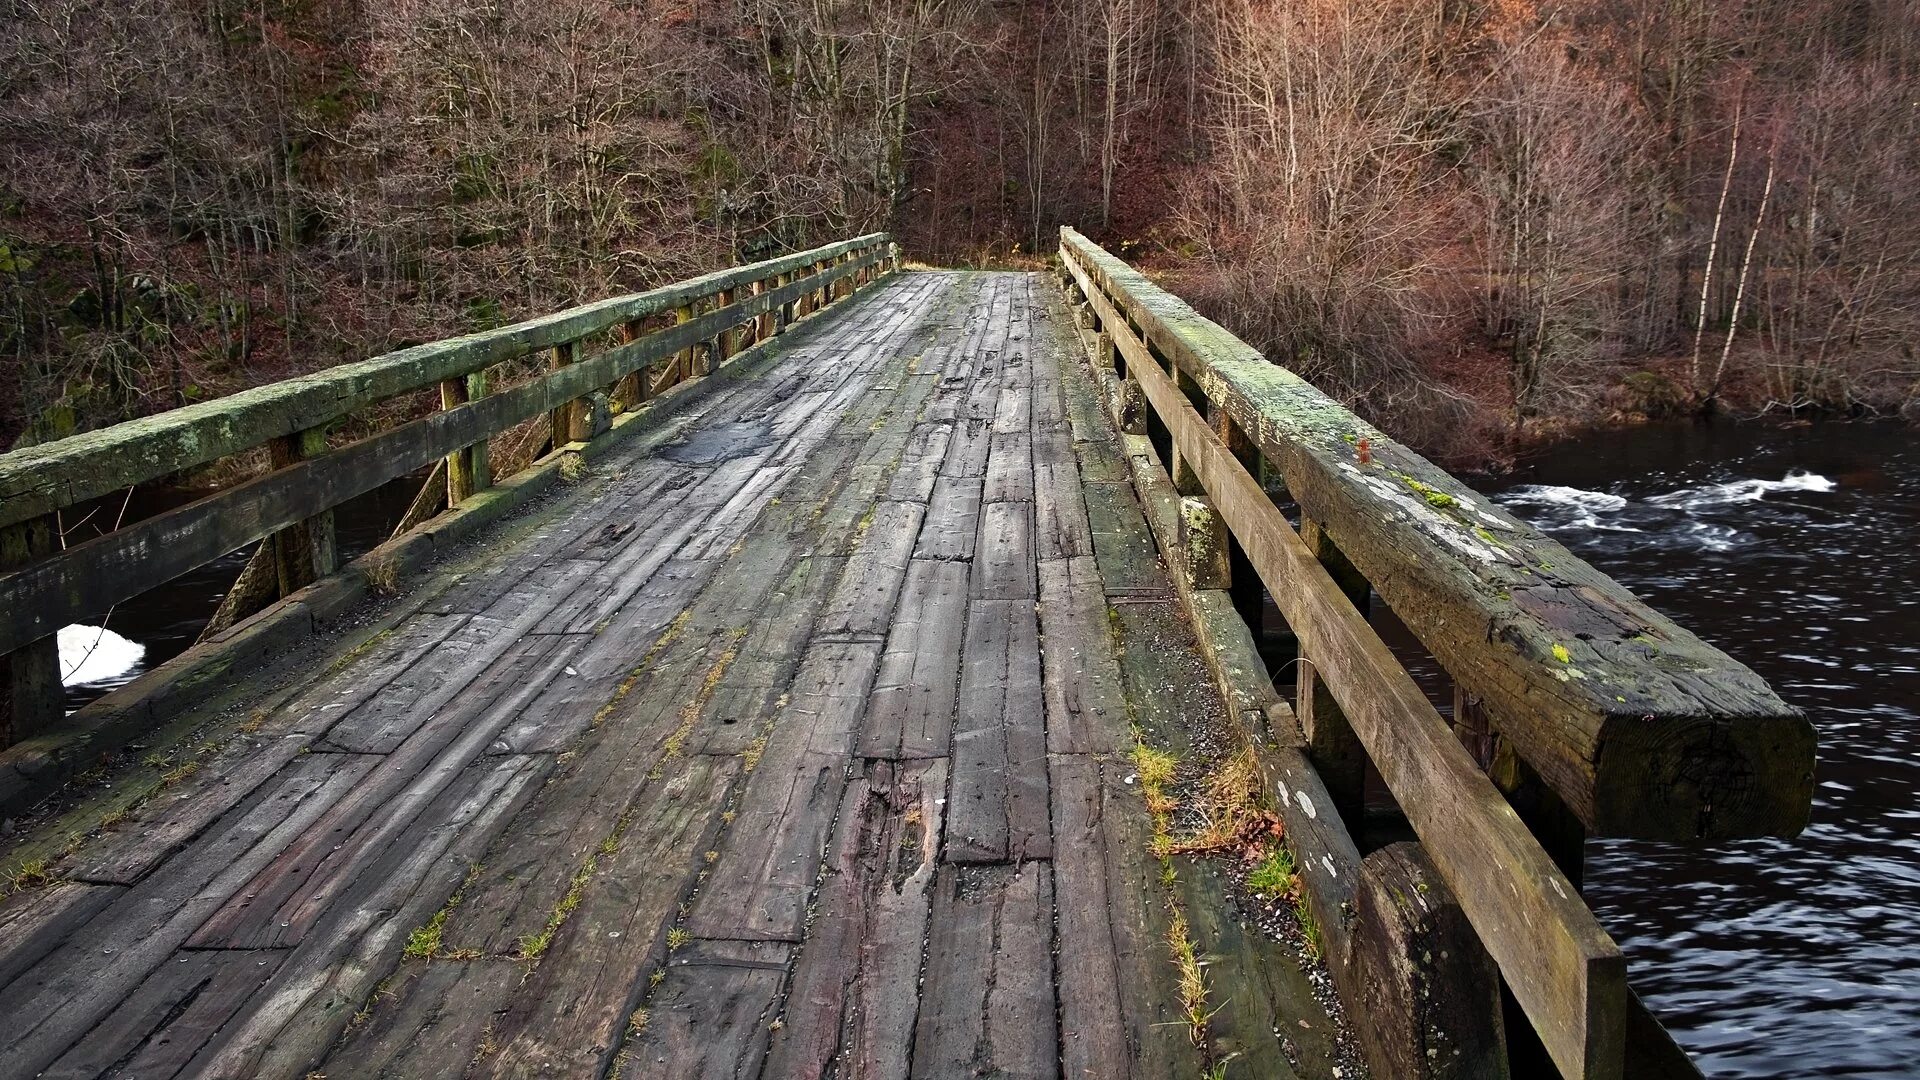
759,886
968,447
38,480
569,1016
1120,1015
849,1012
1004,566
164,827
862,605
1129,565
920,465
36,921
59,1000
987,1008
1009,468
1063,530
404,704
287,899
1262,1006
1086,703
998,808
1643,728
910,714
1563,968
708,1018
289,1026
170,1016
952,522
428,1016
526,875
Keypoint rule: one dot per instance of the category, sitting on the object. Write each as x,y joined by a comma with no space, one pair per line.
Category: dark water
165,620
1797,551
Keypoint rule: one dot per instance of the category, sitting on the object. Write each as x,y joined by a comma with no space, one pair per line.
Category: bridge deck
790,741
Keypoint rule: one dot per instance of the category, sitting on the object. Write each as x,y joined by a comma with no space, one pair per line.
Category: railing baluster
30,690
304,551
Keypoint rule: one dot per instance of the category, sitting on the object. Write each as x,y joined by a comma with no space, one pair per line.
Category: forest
1479,222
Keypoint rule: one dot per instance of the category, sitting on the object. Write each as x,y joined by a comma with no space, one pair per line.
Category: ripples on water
1795,551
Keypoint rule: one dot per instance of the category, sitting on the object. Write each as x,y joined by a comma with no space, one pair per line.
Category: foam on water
1742,490
91,654
1557,495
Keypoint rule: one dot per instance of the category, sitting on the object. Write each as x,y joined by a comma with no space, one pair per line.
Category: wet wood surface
791,745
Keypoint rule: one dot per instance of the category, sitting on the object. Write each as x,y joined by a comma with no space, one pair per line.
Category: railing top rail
1644,729
39,480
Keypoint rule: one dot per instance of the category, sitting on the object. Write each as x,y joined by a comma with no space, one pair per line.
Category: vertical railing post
762,323
633,389
468,468
564,414
782,311
682,363
303,552
723,343
31,696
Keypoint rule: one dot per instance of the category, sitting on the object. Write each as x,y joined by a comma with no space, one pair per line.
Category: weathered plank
56,1002
570,1015
287,1028
953,519
707,1019
848,1012
429,1016
1120,1016
1085,695
910,714
767,864
998,809
987,1006
861,607
1004,563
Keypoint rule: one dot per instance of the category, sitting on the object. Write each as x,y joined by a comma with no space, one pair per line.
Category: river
1794,550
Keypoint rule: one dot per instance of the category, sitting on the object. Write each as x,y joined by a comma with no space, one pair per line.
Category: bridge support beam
30,691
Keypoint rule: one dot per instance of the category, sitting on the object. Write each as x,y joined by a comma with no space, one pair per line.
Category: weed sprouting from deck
425,942
1275,875
30,874
533,946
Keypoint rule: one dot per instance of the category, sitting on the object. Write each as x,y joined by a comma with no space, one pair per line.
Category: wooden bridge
829,698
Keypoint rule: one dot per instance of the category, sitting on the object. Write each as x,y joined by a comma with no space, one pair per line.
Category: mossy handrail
1511,615
1642,728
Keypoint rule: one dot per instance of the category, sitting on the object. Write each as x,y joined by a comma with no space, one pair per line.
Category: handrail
46,589
52,476
1566,973
1642,728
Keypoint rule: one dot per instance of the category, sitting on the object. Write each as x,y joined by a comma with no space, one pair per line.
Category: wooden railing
1574,702
605,358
